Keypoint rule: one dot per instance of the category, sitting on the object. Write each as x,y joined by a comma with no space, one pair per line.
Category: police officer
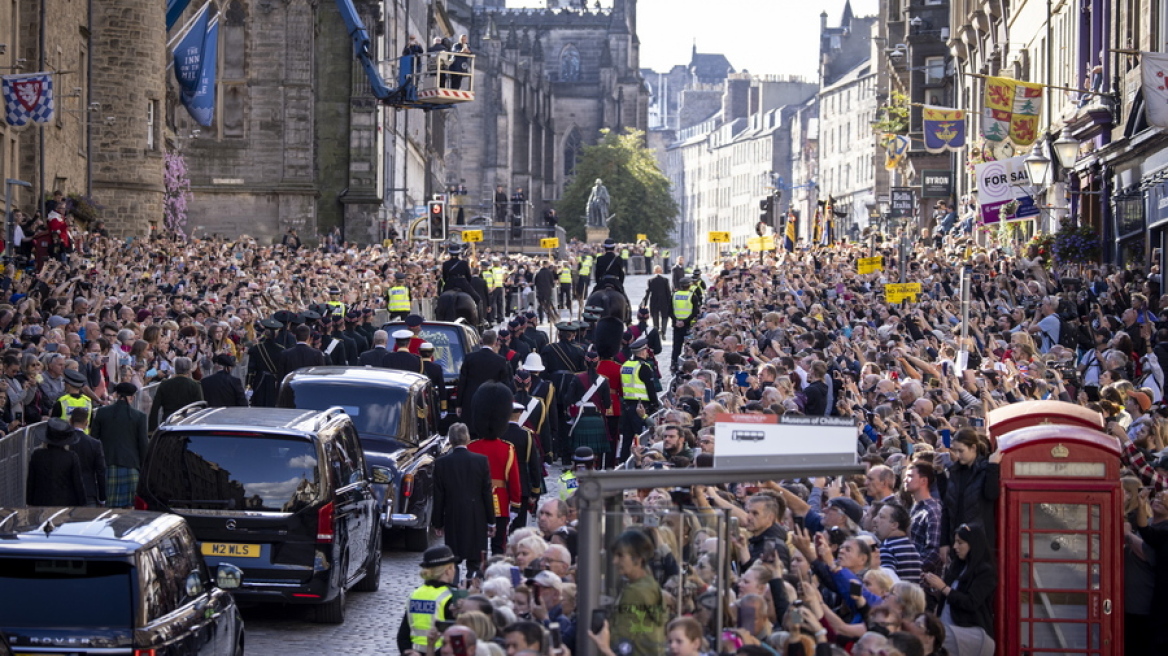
336,305
261,366
685,303
429,603
498,300
565,287
584,274
456,273
73,399
398,298
582,460
639,387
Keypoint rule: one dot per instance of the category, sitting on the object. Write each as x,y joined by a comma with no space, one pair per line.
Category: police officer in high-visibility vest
584,274
583,459
336,305
73,399
498,294
398,298
649,253
686,301
430,603
638,394
665,259
565,287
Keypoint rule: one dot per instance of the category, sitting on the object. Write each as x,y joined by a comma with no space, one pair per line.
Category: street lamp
1037,165
1066,149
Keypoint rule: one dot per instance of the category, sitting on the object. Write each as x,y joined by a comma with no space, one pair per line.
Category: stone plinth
596,235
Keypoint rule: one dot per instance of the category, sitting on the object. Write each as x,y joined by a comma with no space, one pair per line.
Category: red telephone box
1060,532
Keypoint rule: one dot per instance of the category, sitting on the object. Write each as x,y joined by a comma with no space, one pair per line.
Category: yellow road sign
642,237
897,292
754,244
768,242
470,236
719,237
870,264
550,242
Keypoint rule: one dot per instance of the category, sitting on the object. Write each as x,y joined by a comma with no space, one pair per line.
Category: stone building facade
105,139
294,142
548,81
127,142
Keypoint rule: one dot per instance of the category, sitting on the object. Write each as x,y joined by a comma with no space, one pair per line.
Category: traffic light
437,216
765,206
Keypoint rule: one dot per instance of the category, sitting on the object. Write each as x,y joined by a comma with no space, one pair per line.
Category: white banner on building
1154,67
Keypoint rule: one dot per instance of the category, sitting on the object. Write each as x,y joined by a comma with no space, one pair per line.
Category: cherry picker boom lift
424,81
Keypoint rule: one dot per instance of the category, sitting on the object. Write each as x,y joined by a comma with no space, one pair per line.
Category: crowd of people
898,561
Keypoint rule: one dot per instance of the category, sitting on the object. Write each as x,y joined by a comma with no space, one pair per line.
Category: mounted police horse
456,304
608,301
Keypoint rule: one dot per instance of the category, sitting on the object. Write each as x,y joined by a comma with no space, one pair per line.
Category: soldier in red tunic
492,414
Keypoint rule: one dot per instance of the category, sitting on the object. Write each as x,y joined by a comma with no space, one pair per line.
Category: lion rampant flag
1011,110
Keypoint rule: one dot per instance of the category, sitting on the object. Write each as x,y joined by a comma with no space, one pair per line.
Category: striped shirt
924,530
900,556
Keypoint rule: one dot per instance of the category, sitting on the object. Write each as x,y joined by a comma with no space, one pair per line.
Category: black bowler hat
439,555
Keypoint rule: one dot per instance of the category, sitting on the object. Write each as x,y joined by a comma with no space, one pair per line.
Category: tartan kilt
592,433
121,485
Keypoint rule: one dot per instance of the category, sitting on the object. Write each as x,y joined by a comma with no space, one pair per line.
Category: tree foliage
892,117
639,192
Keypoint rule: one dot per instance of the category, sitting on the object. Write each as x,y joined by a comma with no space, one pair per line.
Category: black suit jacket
373,357
477,368
659,294
403,360
92,460
301,355
464,504
223,390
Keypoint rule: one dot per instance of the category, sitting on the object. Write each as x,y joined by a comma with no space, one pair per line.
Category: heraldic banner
27,98
1011,110
944,128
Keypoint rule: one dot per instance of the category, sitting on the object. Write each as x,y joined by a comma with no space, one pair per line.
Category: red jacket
504,473
611,370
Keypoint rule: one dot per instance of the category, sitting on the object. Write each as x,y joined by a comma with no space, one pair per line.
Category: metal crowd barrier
15,452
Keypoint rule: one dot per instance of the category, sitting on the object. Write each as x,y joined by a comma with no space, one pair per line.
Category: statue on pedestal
598,200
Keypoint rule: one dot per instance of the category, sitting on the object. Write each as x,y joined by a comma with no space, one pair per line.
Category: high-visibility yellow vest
338,308
632,387
665,253
489,277
688,271
682,304
500,276
427,605
586,266
649,252
565,276
625,253
568,484
69,403
399,299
